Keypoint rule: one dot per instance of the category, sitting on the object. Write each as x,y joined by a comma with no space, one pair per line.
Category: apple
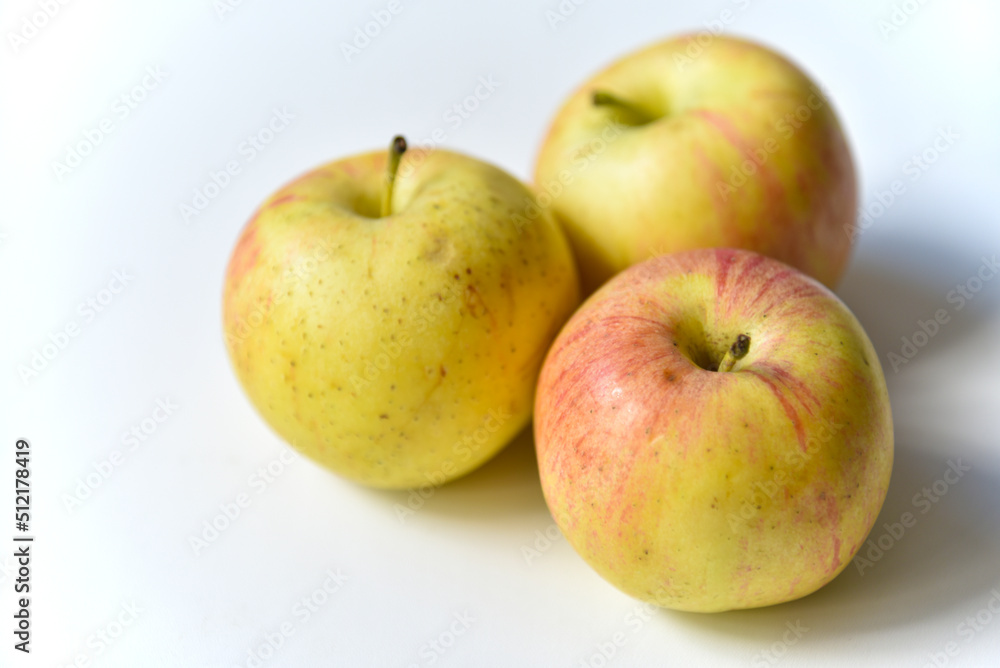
714,431
388,314
733,146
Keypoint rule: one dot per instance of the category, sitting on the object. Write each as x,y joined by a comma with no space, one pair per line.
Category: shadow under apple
506,486
942,566
896,284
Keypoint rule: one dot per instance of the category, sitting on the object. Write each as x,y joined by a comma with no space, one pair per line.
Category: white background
463,551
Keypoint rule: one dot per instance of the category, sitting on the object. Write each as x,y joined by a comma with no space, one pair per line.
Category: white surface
462,552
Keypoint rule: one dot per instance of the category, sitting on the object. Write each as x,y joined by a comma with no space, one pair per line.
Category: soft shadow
506,486
893,286
946,563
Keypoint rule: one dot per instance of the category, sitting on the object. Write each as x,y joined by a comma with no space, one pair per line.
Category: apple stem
396,150
736,352
605,99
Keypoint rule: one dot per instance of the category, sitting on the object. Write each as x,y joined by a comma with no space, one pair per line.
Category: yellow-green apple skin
707,490
627,187
403,350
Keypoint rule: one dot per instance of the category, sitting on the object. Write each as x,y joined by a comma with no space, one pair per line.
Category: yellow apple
734,147
391,324
714,431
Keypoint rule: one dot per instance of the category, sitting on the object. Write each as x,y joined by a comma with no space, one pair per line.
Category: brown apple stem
736,352
396,150
606,99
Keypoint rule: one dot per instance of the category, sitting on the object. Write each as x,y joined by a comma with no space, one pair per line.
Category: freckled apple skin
398,351
661,187
708,491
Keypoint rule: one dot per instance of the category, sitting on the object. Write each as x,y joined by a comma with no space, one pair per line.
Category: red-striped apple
682,145
714,432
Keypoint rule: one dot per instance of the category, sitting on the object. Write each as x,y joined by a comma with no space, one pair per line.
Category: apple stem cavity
605,99
736,352
396,150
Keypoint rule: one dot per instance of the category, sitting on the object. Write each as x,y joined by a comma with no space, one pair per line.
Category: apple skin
666,184
398,351
708,491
